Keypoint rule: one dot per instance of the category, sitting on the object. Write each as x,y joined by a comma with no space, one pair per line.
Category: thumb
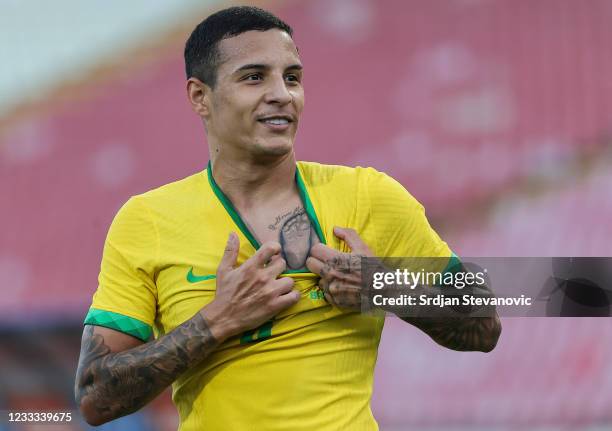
230,255
352,239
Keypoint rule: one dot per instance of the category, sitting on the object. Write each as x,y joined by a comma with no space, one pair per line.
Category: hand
340,272
251,294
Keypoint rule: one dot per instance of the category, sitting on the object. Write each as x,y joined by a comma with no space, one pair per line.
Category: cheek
232,117
298,98
227,105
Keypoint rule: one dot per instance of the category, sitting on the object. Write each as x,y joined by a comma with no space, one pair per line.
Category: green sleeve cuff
119,322
454,264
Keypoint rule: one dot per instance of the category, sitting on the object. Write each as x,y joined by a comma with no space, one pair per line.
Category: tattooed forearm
454,327
110,385
451,327
461,333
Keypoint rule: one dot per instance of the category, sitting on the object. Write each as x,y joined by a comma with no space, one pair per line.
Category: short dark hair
202,56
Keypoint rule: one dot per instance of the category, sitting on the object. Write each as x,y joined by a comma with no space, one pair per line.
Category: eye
252,77
292,78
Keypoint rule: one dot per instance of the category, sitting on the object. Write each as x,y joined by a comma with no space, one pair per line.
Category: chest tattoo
296,236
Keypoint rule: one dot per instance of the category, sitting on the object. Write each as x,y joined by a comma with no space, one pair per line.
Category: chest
191,246
190,253
289,225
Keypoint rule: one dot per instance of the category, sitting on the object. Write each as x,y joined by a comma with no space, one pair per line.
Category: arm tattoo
453,327
461,333
116,384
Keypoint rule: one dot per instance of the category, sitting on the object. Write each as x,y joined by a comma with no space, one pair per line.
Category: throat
249,186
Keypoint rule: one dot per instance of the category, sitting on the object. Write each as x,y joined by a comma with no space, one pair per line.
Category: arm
341,282
118,375
454,330
461,333
402,229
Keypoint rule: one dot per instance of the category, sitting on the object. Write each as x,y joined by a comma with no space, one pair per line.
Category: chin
274,147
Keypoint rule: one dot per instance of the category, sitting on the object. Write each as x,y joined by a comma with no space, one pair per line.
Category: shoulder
175,189
318,174
167,200
173,195
359,179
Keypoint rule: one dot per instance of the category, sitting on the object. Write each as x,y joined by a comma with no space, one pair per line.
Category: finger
314,265
275,258
344,296
265,253
276,266
353,240
323,252
285,301
333,288
230,255
324,285
329,298
283,285
352,293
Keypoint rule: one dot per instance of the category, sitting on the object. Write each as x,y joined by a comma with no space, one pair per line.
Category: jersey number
257,334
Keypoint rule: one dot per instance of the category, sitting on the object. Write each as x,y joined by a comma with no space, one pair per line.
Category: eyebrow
266,67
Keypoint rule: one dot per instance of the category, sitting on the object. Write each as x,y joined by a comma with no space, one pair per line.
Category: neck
247,182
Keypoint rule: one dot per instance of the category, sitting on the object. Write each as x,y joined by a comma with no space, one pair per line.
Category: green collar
229,207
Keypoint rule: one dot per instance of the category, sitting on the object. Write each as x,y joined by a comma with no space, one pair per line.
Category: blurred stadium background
495,114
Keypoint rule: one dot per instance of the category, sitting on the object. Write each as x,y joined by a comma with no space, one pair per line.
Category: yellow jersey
311,367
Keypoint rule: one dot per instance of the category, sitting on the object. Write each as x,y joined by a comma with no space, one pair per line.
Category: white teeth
277,121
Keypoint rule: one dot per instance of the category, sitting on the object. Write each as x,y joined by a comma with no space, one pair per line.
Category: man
247,272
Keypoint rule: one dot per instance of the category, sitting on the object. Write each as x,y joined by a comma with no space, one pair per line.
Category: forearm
460,333
456,327
110,385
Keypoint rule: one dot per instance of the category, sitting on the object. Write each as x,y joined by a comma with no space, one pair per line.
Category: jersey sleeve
402,229
126,298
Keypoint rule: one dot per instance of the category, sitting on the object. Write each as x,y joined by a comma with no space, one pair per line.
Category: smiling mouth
275,121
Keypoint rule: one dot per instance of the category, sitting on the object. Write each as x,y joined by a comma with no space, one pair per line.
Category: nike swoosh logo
192,278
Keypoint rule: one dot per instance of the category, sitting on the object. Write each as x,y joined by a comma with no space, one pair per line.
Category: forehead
272,47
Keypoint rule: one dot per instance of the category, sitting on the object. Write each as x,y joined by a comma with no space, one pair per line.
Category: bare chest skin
289,225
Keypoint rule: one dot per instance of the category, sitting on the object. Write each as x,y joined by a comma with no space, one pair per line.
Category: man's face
258,98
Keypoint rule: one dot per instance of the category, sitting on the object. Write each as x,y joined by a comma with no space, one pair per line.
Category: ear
199,96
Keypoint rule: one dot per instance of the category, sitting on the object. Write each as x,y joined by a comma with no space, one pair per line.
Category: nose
277,92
